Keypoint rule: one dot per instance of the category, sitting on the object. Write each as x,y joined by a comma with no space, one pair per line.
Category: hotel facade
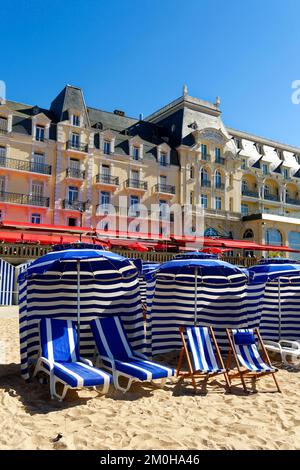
66,166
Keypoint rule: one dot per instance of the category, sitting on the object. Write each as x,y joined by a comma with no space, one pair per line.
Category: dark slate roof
109,120
69,98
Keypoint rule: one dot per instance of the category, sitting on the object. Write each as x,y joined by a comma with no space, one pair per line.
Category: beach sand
146,417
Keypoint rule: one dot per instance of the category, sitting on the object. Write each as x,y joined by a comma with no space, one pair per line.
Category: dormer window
265,169
238,143
40,133
297,157
286,173
163,159
76,120
259,148
279,154
107,147
3,125
243,164
136,153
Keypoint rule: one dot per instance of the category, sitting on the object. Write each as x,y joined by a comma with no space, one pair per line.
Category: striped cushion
77,374
144,370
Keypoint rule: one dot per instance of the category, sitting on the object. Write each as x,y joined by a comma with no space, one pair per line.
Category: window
297,157
192,197
267,191
204,177
204,151
75,120
2,152
106,147
135,175
105,173
38,161
2,184
3,125
40,133
163,159
104,198
72,221
192,173
35,218
37,191
137,228
136,153
259,148
73,194
273,237
218,155
244,186
163,209
211,232
265,169
75,140
286,173
218,203
238,143
133,202
243,164
244,210
248,233
218,179
204,201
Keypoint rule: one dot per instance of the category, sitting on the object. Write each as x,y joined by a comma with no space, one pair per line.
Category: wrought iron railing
165,188
74,205
136,184
107,179
75,173
77,146
246,192
24,165
26,199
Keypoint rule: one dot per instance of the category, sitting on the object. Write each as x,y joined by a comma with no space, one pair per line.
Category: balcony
246,192
107,209
136,184
102,178
75,173
205,157
220,161
23,165
223,214
26,199
295,202
164,188
220,186
163,163
205,184
271,197
73,205
77,147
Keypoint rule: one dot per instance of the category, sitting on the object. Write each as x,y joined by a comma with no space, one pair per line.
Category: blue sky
135,55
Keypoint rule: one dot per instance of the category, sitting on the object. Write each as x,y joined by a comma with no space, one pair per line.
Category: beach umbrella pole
279,309
196,297
78,304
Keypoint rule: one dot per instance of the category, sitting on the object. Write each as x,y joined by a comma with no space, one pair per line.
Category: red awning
129,244
58,228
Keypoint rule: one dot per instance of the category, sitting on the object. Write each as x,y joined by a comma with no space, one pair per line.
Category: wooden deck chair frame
193,374
245,373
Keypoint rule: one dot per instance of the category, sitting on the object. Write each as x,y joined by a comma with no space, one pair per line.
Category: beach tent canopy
48,288
221,291
276,282
196,255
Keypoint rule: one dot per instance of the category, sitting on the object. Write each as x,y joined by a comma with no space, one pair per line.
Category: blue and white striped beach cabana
7,283
215,289
277,283
48,288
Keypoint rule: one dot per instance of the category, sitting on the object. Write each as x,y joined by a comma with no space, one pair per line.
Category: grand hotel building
63,166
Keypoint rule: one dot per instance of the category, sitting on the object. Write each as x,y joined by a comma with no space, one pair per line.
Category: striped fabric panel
7,283
41,297
290,310
249,356
201,347
221,306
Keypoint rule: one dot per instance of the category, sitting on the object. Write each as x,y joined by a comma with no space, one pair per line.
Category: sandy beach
144,418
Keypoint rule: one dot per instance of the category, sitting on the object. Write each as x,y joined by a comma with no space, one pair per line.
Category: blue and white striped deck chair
61,361
206,360
248,359
116,354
